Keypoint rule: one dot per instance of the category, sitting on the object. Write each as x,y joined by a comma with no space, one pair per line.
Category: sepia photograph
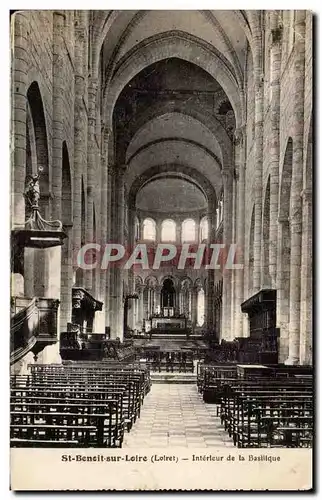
161,250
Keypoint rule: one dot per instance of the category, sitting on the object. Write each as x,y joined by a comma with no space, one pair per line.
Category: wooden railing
33,325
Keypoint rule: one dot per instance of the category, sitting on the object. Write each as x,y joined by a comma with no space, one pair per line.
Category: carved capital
277,34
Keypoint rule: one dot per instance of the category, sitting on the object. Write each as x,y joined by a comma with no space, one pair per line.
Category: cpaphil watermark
147,257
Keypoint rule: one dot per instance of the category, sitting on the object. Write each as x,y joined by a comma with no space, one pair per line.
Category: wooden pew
76,422
77,404
245,405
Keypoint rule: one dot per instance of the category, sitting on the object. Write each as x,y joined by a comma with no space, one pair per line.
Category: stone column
210,283
194,308
258,150
296,189
157,298
240,144
19,116
178,232
101,320
116,292
306,280
283,293
141,308
158,230
145,293
109,221
227,330
91,171
58,110
276,49
80,132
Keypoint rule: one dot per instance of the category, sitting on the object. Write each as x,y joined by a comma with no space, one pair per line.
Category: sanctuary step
173,378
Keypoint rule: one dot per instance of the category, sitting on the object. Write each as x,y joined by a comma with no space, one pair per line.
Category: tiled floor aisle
175,415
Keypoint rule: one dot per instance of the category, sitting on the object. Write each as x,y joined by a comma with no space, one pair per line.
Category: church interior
181,131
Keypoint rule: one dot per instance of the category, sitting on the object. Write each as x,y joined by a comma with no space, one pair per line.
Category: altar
167,321
162,323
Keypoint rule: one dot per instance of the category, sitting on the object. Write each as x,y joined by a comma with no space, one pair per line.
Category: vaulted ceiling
172,85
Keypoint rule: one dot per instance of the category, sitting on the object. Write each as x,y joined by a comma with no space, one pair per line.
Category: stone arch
151,281
104,21
35,105
284,256
36,161
200,114
202,182
166,45
169,276
266,281
175,139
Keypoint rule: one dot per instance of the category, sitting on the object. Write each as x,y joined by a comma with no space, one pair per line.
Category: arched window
204,229
168,230
188,230
149,232
200,307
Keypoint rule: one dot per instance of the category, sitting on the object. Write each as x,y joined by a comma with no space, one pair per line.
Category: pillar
283,293
227,330
296,189
80,131
101,320
210,283
109,221
306,280
194,299
157,298
276,49
58,110
258,150
116,273
19,116
91,172
140,308
240,145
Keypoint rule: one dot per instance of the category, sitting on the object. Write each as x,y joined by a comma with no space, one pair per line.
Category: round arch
103,22
173,44
176,152
183,126
202,182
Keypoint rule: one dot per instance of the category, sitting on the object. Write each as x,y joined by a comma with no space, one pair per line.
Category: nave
174,415
115,405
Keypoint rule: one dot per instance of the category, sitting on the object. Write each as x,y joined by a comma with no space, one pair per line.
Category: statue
32,191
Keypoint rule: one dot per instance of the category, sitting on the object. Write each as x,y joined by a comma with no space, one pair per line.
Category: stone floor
175,415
